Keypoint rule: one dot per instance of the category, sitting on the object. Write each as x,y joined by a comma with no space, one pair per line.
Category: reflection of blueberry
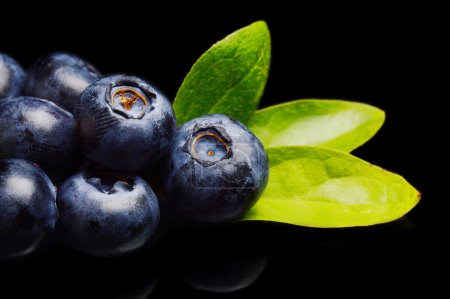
217,271
12,77
216,169
211,261
27,207
124,123
119,278
61,78
36,130
107,214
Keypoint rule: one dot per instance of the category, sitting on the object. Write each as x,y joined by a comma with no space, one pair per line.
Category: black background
368,54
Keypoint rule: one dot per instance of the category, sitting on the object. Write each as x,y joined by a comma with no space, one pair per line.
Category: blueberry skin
27,207
107,216
215,179
36,130
12,77
60,78
119,134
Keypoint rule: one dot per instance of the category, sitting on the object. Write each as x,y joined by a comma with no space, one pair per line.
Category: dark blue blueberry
124,123
60,78
36,130
216,169
107,215
12,77
27,207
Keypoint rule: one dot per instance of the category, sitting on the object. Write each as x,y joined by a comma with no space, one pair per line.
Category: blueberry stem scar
128,102
210,152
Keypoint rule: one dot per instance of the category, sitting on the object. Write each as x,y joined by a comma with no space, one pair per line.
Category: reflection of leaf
319,187
330,123
229,78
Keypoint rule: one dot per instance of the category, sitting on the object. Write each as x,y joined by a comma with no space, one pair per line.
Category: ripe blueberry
216,169
36,130
107,214
124,123
12,77
60,78
27,207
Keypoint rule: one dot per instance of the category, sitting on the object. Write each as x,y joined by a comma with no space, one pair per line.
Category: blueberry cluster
77,148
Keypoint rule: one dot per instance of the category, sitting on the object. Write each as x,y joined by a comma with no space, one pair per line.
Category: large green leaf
335,124
318,187
229,78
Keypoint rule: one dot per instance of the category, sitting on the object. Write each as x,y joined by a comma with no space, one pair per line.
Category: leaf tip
261,24
379,119
382,114
261,28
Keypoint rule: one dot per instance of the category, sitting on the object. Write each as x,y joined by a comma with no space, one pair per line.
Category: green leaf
229,78
335,124
318,187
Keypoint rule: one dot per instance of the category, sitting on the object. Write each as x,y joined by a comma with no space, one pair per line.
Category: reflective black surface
373,55
243,259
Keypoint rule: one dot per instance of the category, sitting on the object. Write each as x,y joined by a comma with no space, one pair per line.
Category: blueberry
60,78
12,77
27,207
216,169
124,123
36,130
107,214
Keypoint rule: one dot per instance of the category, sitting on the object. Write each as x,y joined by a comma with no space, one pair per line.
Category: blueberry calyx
111,185
208,146
121,186
130,102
